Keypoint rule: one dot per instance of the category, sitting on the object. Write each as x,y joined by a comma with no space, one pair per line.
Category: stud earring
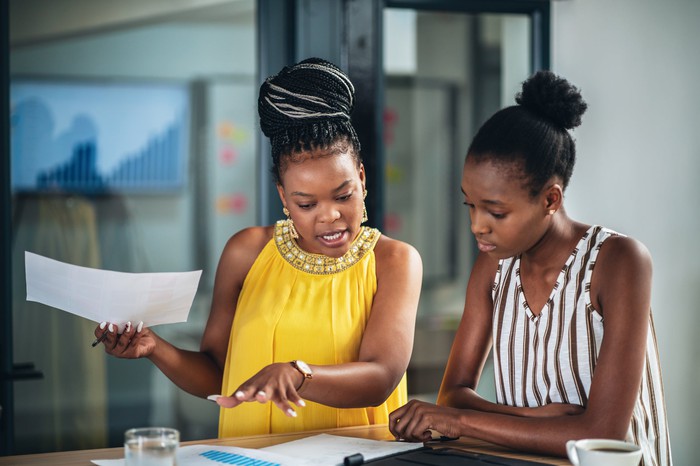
364,208
290,224
552,212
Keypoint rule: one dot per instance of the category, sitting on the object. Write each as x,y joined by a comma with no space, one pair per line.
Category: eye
470,206
344,197
498,216
306,206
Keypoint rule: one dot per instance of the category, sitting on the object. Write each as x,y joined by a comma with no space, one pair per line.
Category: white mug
598,452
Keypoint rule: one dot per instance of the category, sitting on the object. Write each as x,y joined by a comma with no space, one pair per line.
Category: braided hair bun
307,106
552,98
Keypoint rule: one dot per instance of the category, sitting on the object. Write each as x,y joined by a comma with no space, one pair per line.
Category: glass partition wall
133,146
445,72
426,79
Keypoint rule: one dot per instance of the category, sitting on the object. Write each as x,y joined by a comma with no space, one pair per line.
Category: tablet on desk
449,457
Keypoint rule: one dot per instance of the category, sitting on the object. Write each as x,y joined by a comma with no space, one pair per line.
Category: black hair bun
311,92
553,98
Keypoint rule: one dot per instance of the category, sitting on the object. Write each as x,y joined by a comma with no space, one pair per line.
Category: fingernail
302,403
140,327
291,412
261,393
240,395
128,326
111,328
213,398
103,325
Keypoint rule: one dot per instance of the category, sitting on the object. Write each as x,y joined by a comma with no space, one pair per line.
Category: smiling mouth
332,236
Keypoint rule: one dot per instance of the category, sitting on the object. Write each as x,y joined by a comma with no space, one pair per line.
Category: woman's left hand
277,383
415,420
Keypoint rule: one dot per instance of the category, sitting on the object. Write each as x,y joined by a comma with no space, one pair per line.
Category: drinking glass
151,446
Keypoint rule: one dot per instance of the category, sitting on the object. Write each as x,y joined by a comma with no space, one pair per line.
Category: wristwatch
304,369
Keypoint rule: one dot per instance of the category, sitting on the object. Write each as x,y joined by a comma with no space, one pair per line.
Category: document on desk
317,450
107,296
331,450
212,455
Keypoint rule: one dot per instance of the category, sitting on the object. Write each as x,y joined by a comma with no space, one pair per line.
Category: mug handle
571,452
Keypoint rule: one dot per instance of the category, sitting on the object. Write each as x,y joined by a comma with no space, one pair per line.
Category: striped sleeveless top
551,357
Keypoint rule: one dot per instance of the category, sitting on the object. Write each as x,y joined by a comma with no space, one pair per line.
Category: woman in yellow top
314,315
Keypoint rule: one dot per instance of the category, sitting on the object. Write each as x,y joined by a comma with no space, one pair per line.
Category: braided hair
304,107
535,132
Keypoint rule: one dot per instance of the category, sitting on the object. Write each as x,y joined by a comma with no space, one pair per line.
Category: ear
280,191
553,196
362,177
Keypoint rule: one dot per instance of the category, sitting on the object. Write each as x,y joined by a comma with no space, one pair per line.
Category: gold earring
364,208
290,224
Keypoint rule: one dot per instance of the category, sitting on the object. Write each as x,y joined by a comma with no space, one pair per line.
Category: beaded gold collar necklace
320,264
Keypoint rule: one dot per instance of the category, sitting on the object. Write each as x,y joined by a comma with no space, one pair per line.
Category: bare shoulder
485,265
392,253
244,247
623,252
623,272
482,275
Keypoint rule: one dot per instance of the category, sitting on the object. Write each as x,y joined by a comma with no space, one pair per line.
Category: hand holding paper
107,296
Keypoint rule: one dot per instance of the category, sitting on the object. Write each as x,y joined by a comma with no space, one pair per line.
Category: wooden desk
379,432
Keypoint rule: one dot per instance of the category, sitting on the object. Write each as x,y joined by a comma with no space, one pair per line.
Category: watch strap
306,373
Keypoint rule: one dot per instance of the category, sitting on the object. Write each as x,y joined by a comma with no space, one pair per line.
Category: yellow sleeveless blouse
298,305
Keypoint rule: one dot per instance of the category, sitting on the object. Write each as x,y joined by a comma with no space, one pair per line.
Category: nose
329,214
479,224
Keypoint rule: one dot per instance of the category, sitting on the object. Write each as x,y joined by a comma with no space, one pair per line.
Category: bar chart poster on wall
95,137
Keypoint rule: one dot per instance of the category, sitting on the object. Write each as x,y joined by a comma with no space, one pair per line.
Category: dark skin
323,190
507,220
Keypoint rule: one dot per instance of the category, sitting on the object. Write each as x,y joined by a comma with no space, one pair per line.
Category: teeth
333,236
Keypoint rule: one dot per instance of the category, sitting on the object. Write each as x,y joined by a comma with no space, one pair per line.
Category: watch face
304,368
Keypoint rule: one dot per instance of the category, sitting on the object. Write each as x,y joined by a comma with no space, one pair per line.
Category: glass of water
151,446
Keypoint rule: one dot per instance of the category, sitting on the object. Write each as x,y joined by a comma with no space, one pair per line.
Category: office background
636,173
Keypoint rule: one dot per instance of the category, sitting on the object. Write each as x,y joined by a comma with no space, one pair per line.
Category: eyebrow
339,188
486,201
493,202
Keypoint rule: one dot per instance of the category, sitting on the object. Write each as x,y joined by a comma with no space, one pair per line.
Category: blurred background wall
638,167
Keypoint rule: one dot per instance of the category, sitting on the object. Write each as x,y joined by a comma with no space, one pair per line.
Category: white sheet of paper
107,296
210,455
331,450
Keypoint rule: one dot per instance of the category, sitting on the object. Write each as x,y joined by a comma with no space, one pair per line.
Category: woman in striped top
565,306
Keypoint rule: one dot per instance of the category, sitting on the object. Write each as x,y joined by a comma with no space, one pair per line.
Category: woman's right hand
136,341
276,383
